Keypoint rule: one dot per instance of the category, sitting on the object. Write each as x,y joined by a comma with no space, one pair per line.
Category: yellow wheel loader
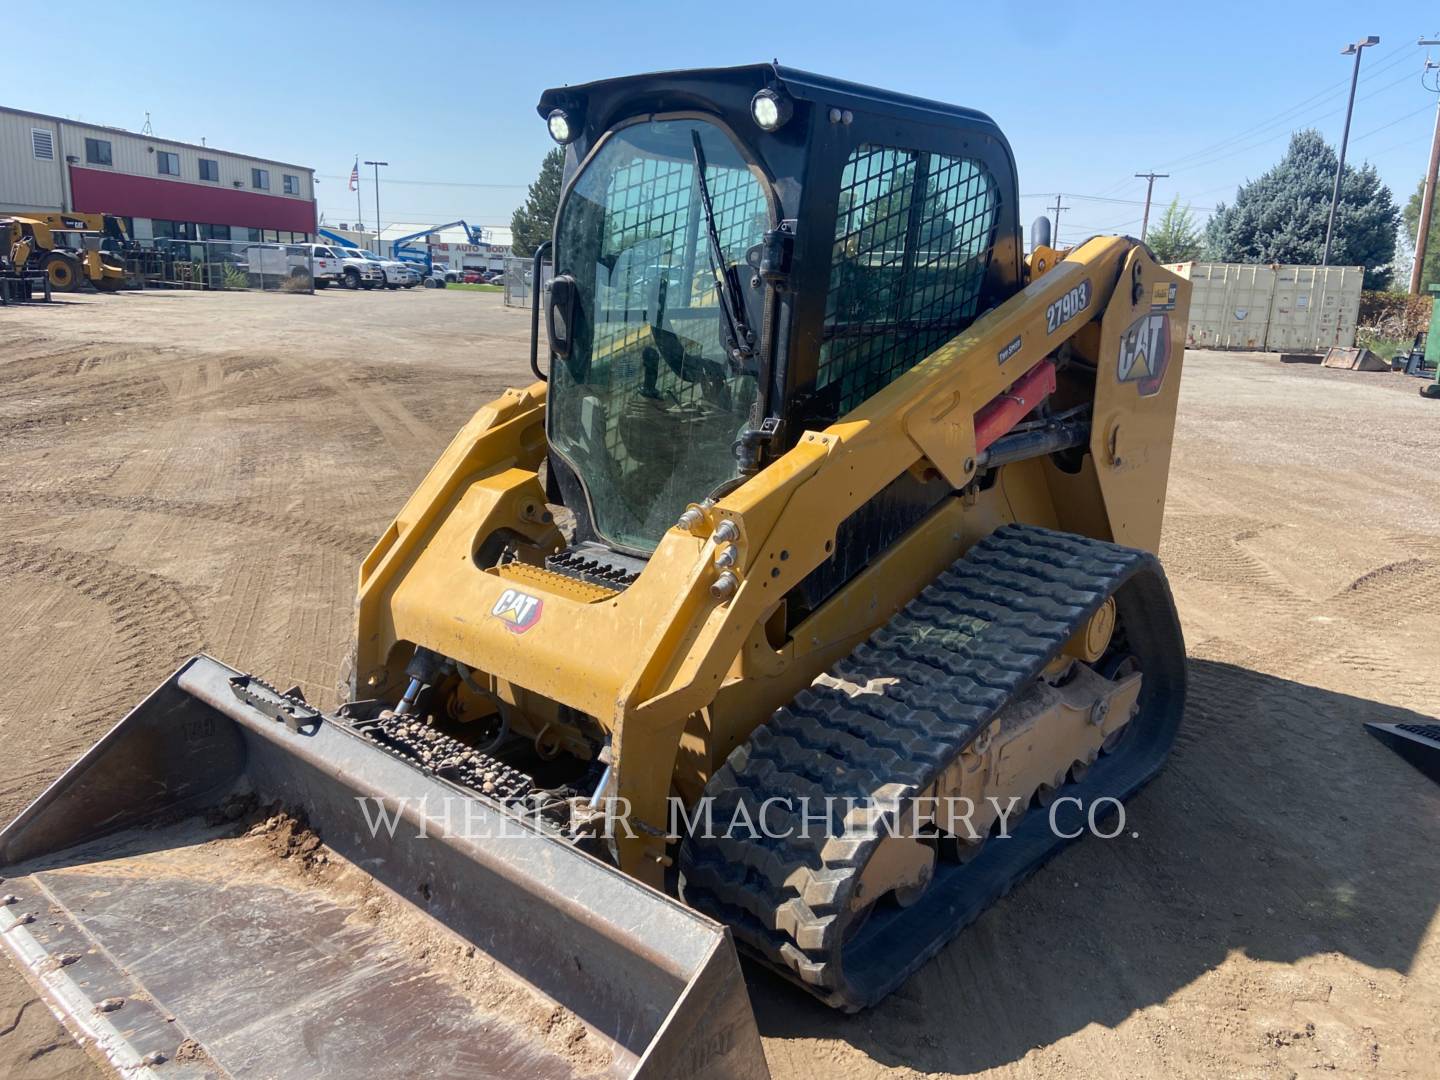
70,249
806,601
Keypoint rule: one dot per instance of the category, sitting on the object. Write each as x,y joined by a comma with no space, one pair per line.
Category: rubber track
936,675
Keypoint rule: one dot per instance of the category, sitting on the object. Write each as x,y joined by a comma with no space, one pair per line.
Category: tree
532,224
1281,216
1176,238
1430,273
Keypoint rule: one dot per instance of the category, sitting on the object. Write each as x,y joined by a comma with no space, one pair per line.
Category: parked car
474,277
443,269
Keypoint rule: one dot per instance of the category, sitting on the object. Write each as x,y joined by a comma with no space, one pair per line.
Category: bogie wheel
63,272
352,278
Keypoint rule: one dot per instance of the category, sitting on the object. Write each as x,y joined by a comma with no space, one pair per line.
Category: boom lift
820,549
401,249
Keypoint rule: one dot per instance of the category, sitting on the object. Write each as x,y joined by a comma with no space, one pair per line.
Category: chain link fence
518,273
221,265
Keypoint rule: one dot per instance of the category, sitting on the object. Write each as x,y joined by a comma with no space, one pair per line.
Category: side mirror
560,315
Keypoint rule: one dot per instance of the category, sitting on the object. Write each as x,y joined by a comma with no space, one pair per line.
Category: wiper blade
738,339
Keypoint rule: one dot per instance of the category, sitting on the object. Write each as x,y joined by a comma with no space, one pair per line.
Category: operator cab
742,254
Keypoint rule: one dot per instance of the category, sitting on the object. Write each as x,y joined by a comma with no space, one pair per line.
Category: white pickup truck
297,261
357,271
397,275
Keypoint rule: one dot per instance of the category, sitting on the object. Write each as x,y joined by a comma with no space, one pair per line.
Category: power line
431,183
1274,136
1102,198
1288,116
1392,123
1285,117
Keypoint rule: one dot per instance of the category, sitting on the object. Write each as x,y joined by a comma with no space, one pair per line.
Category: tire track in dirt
1410,584
152,623
355,542
1208,548
197,384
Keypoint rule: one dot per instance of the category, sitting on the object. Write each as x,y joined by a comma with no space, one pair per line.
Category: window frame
201,169
162,157
256,175
577,494
92,151
865,355
831,145
290,183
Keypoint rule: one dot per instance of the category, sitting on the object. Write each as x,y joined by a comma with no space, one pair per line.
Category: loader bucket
182,932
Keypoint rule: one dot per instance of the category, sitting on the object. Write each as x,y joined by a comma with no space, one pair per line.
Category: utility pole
1151,177
378,250
1055,234
1427,200
1357,49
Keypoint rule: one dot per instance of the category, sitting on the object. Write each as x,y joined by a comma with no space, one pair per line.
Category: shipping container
1277,308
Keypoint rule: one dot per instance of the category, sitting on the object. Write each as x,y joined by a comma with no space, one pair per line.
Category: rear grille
596,564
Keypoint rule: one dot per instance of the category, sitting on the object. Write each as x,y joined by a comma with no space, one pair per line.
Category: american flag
355,176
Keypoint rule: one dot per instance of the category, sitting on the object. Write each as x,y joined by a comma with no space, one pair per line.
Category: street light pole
378,249
1149,188
1356,49
1427,200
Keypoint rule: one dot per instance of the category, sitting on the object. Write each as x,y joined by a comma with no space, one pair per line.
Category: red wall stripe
96,191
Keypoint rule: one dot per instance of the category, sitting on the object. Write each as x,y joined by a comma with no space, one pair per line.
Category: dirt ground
182,472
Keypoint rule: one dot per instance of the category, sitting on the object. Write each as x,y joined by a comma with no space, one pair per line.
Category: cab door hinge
753,442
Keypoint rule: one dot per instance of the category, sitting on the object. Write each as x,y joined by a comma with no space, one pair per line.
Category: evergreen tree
534,222
1430,274
1281,217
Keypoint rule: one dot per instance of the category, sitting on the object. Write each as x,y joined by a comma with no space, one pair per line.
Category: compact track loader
805,600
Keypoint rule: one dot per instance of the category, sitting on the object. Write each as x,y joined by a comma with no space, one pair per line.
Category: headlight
562,128
770,109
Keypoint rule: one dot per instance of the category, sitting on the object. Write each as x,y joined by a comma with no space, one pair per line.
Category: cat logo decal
517,610
1144,353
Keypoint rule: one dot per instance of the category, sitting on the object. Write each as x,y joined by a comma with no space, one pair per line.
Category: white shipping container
1278,308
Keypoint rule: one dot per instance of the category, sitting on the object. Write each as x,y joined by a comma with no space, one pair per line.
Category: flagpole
359,216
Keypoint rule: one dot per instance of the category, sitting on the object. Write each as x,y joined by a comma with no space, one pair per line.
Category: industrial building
163,189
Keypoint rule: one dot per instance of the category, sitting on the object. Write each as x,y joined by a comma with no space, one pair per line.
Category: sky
1088,94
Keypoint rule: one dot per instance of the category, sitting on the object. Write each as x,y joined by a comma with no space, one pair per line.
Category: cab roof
686,88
